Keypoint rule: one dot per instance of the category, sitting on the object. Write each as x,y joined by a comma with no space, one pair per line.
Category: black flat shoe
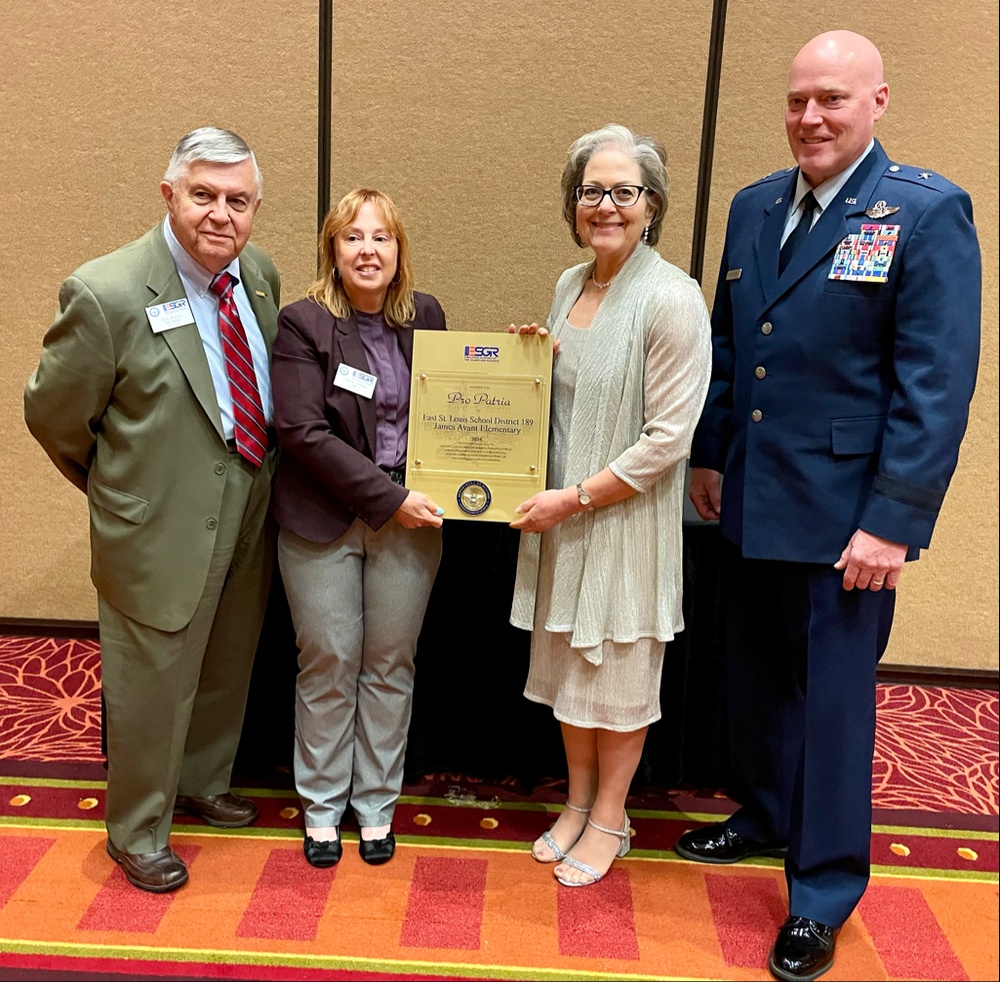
803,950
720,844
322,854
375,852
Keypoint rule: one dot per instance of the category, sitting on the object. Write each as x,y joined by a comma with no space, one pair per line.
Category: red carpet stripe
598,921
18,857
445,907
288,900
907,936
119,906
747,911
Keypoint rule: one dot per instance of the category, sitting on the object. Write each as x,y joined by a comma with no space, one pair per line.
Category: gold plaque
479,421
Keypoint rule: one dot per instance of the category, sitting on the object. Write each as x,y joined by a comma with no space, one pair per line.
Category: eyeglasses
622,195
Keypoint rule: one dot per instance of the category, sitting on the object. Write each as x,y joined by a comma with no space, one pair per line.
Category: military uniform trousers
802,654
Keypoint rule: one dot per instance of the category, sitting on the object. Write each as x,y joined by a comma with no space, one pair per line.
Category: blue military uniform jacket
837,404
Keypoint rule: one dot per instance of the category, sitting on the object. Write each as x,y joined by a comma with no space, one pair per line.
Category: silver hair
214,145
648,153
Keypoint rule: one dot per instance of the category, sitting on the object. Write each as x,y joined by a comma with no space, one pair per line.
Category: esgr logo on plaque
481,352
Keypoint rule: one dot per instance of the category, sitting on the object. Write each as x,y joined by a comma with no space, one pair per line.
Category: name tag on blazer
165,316
355,380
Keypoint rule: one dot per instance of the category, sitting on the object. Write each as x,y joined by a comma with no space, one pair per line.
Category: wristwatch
584,497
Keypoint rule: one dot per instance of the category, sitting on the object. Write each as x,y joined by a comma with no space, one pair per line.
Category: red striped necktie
250,427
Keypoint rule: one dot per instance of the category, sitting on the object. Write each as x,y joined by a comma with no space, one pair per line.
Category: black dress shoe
157,872
377,851
322,854
802,951
224,811
720,844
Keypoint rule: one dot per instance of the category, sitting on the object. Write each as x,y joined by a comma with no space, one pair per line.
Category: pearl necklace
600,286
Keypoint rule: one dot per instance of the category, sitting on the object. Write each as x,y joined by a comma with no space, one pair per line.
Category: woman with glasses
358,552
600,587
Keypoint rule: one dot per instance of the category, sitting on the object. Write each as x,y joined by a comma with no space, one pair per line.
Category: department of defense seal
474,497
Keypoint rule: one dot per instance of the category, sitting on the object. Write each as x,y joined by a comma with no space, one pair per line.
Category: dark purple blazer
327,474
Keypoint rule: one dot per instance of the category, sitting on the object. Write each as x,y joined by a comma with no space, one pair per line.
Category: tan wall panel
95,97
938,56
463,113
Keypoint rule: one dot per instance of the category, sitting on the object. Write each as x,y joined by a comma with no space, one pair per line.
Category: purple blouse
392,391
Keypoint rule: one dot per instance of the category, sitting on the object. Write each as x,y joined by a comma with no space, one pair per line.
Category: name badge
166,316
865,257
355,380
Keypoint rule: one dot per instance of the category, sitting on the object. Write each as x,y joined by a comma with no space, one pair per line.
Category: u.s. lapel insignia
778,201
881,210
850,201
924,175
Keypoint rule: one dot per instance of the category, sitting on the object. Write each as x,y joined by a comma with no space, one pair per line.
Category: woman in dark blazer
358,551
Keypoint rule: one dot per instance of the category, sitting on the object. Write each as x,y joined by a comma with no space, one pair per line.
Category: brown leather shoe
157,872
224,811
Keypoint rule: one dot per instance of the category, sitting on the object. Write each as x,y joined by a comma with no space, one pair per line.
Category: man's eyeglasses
622,195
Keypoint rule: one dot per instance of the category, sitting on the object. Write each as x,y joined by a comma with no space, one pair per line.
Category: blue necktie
799,233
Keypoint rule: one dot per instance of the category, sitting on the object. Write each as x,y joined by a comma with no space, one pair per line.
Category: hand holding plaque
479,420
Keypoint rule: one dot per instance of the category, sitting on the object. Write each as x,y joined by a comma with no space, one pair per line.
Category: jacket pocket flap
858,435
120,503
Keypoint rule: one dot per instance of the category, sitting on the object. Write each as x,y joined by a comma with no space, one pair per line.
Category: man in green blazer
152,395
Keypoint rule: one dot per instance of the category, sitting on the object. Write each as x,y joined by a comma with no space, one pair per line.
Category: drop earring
645,234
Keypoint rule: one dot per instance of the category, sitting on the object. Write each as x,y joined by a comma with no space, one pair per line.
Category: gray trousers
357,604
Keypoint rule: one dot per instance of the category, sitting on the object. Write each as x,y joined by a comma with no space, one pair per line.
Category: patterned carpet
935,749
462,899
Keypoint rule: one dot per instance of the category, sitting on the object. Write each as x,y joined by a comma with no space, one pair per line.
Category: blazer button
756,415
766,327
759,371
220,468
211,523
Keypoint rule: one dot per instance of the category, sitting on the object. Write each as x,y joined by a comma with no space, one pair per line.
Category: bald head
836,94
842,51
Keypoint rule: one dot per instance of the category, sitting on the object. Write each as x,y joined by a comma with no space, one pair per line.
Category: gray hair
215,146
648,153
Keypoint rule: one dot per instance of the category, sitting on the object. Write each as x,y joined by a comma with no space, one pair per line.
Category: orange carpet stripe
744,908
500,915
18,857
288,899
118,906
599,923
445,907
907,936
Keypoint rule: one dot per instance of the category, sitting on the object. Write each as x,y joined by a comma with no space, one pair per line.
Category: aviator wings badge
881,210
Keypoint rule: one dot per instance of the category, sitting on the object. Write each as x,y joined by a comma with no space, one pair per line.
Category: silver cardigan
639,393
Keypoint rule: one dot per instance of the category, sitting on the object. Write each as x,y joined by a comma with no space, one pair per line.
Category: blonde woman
358,551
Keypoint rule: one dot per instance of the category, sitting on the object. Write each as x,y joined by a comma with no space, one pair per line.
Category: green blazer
131,418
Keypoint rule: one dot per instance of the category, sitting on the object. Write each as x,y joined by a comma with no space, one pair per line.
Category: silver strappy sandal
558,855
623,848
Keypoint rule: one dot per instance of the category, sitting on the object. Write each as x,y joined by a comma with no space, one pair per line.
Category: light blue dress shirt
825,194
197,282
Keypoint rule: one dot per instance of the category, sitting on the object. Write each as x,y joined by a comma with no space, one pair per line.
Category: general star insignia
924,175
881,210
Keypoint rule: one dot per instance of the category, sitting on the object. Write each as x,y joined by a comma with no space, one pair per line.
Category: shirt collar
826,192
191,270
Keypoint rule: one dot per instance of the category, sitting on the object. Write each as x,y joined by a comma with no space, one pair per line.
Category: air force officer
845,336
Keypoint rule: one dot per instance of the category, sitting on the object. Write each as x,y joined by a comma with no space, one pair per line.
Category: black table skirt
469,714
